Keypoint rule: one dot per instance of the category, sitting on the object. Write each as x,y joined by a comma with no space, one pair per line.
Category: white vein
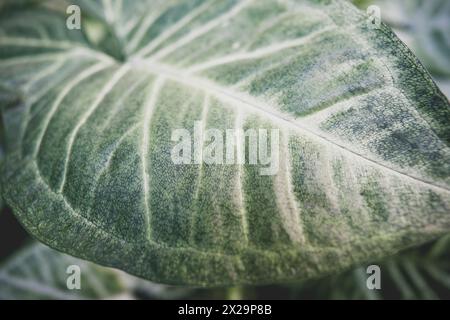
285,195
30,42
118,142
109,11
64,92
110,156
149,107
141,32
128,26
341,106
199,31
30,25
258,53
78,217
41,75
203,119
102,94
173,29
75,49
238,125
30,59
118,7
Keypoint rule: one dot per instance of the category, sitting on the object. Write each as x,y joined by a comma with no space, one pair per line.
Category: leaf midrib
178,75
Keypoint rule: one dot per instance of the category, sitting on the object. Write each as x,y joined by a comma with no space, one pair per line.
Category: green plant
38,272
88,116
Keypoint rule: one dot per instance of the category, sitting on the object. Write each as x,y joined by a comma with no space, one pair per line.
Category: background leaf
38,272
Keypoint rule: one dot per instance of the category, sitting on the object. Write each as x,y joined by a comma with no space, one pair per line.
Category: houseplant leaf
364,147
38,272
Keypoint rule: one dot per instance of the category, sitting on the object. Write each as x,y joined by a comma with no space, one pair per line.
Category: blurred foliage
38,272
421,273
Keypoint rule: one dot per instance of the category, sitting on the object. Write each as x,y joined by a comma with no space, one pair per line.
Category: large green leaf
365,160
